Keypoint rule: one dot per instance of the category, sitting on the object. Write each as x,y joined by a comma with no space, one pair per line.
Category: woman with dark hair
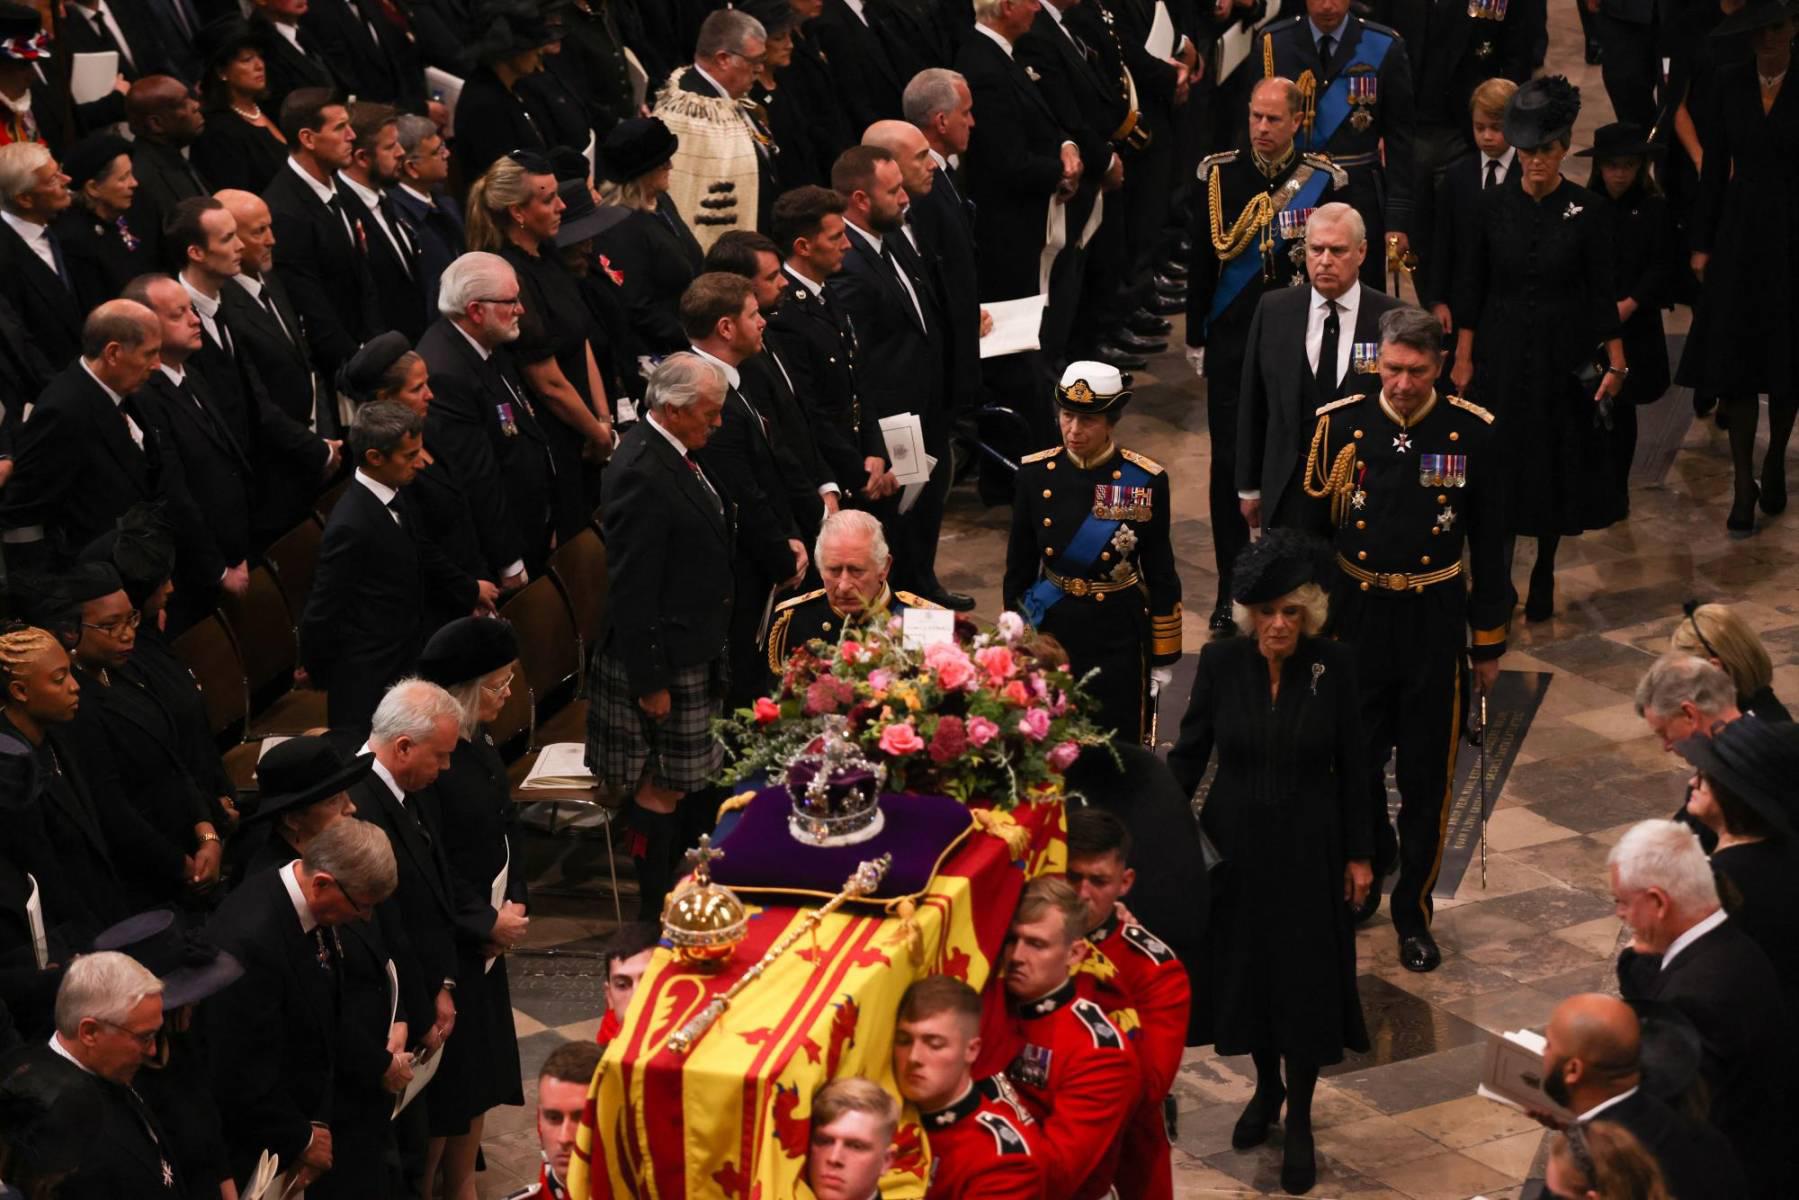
494,117
1633,206
1287,813
1745,237
1739,793
242,146
104,245
1538,334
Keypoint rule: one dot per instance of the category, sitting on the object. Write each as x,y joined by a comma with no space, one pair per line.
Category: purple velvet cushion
762,855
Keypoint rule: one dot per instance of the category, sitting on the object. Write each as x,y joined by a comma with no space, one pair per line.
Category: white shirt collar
324,191
1692,935
381,772
371,199
811,283
483,351
718,87
1504,161
289,31
303,910
250,284
873,237
62,1051
668,437
175,374
732,375
31,231
855,6
384,494
1347,304
421,197
110,394
206,306
942,162
22,104
1054,14
999,39
1605,1104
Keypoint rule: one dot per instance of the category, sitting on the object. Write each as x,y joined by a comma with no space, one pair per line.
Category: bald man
1592,1066
264,322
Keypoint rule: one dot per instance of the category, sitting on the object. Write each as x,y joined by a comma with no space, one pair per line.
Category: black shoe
1136,343
1222,624
1419,953
1299,1166
954,601
1168,306
1774,488
1175,268
1703,405
1741,521
1119,357
1168,285
1261,1112
1721,418
1144,323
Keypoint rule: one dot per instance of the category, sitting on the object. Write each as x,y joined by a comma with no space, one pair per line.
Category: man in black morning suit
869,84
482,423
364,622
939,104
275,1031
34,277
165,120
1686,953
372,56
1292,331
321,248
393,249
431,214
1019,156
85,30
264,322
289,66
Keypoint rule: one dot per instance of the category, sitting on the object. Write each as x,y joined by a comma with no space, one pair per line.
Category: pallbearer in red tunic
561,1099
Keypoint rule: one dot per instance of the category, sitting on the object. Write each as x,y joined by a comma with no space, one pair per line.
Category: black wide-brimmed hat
509,27
303,771
1758,14
466,649
581,217
1278,563
635,148
1755,761
141,548
1542,111
1620,139
362,376
89,158
1091,387
191,969
22,36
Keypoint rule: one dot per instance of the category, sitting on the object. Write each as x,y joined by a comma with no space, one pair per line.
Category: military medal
1364,358
1488,10
168,1174
1402,441
1430,470
1031,1067
1358,498
1455,470
508,425
1290,223
1114,503
1363,91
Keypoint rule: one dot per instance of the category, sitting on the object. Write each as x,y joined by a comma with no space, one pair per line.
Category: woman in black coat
241,146
493,116
105,241
1287,813
471,804
1745,237
1536,318
652,248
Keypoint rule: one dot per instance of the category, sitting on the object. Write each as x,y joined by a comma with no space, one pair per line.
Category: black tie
1327,353
393,506
392,216
336,205
269,304
225,344
1325,45
899,274
1492,173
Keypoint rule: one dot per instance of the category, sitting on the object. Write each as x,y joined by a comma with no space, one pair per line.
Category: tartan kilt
682,751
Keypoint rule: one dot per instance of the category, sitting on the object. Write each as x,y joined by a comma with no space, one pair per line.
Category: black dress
471,804
232,153
1639,227
1764,877
555,324
1534,281
1747,218
658,256
1765,704
1287,811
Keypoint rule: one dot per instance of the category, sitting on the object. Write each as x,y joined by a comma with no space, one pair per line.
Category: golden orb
704,921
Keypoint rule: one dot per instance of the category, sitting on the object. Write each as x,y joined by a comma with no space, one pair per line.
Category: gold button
1442,499
1435,530
1099,597
1049,466
1360,465
1362,554
1105,556
1364,585
1117,474
1361,524
1046,493
1358,433
826,626
1046,522
1454,436
1425,559
1049,552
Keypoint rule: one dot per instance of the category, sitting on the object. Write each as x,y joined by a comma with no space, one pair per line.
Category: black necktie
225,343
1492,173
336,205
61,264
269,304
1327,352
718,503
393,506
1325,45
899,273
392,216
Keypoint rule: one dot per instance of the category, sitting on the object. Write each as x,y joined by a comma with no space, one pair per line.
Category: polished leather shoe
1170,287
1539,605
1175,268
1222,624
1144,323
1260,1113
1136,343
954,601
1299,1165
1119,357
1168,306
1419,953
1740,523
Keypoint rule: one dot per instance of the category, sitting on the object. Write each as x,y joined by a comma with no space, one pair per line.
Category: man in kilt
659,673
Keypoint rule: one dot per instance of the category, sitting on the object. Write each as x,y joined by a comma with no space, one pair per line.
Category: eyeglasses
145,1041
759,61
362,910
442,152
504,686
119,626
513,302
1691,609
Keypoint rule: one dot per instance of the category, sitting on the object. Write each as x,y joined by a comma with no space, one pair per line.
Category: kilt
681,749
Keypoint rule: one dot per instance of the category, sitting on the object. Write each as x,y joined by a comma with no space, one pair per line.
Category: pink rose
938,653
1060,705
955,675
996,661
766,710
1034,724
900,739
1039,689
981,730
1062,756
850,652
1011,627
880,679
1015,694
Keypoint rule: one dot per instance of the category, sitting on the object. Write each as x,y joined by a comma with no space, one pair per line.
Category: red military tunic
1152,984
1079,1079
981,1146
547,1187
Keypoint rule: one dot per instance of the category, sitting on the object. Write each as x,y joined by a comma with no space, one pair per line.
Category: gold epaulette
1470,406
1040,455
1148,464
1322,162
1215,160
1334,405
914,601
796,601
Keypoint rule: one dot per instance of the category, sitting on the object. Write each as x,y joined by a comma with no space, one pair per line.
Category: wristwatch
1620,372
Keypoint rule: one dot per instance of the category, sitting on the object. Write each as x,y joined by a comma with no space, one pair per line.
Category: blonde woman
652,248
1601,1160
1715,633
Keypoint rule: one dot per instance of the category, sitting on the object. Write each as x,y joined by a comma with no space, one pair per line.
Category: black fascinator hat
1279,562
1542,111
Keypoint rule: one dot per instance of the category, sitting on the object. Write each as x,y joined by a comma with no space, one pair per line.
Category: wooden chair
549,648
211,656
327,499
579,565
266,638
294,559
511,730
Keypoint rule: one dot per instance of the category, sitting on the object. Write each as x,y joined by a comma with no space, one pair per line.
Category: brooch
1032,72
1573,210
1317,674
1446,518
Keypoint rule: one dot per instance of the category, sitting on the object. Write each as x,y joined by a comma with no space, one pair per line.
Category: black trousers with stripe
1410,648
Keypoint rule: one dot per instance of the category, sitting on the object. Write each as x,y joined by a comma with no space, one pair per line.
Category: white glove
1196,358
1160,677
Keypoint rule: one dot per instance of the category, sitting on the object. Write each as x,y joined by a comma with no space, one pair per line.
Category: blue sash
1091,538
1333,105
1236,274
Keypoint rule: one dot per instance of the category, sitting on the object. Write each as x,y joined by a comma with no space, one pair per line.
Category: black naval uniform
1406,497
1121,610
1228,277
811,617
1359,112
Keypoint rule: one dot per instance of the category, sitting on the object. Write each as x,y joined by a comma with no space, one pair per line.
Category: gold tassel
1002,825
733,803
907,931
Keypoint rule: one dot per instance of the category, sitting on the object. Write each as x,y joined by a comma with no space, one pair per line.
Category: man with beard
391,246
